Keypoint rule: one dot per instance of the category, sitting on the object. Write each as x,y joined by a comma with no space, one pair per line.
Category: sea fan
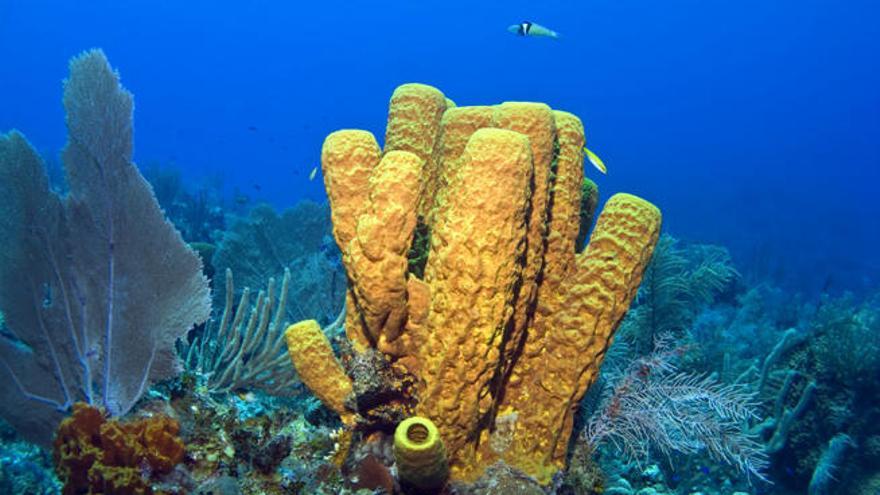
96,286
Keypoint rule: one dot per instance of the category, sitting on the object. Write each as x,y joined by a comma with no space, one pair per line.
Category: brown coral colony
94,454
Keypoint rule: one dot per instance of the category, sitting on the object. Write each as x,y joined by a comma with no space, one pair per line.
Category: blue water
751,124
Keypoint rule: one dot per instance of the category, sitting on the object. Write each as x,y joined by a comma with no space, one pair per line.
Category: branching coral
510,323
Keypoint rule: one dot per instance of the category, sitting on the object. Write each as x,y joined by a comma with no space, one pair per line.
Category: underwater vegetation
655,407
462,324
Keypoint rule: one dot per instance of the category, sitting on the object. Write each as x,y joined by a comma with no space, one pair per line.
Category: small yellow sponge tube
420,455
317,366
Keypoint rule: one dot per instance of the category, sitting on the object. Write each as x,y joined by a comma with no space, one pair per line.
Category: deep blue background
751,123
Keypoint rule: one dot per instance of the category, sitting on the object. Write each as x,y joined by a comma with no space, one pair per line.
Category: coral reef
509,325
836,365
24,467
455,284
247,443
810,367
95,455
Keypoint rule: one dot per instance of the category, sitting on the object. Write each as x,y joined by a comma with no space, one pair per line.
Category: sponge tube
420,455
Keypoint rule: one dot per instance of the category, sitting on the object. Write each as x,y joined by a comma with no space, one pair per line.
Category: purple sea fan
96,286
654,406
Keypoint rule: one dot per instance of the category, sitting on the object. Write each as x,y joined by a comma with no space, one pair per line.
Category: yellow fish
248,397
596,161
312,173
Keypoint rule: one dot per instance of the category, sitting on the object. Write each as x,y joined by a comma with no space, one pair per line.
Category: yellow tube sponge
415,333
456,128
564,215
473,269
414,125
317,366
348,157
589,306
420,455
559,258
506,330
377,256
535,121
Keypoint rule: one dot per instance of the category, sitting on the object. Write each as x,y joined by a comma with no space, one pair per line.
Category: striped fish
527,28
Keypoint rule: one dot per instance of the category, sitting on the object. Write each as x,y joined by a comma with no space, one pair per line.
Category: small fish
248,397
258,187
312,173
596,161
252,128
242,199
527,28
